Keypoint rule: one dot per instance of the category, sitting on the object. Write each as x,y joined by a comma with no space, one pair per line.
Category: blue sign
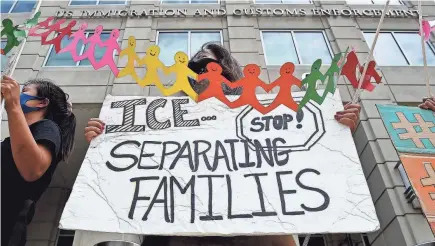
411,129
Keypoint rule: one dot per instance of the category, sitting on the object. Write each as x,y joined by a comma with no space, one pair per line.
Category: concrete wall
401,224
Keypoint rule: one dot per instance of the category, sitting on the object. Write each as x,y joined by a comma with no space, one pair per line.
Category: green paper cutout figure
311,79
331,85
33,21
10,32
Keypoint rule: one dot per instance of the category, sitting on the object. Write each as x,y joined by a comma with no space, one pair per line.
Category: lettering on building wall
253,12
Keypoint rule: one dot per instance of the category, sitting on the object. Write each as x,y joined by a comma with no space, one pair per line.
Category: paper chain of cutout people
249,83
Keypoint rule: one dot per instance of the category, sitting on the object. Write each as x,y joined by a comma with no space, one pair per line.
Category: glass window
189,1
17,6
23,6
6,6
400,49
188,42
281,1
97,2
65,59
65,238
295,46
381,2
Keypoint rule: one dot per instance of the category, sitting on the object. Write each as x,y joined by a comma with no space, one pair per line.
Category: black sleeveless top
14,189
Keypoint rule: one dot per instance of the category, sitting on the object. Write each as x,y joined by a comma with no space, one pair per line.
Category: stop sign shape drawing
301,130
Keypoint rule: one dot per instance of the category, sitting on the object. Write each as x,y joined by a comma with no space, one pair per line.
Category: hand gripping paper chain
346,65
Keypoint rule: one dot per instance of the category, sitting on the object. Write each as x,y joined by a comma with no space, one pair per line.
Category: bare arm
32,159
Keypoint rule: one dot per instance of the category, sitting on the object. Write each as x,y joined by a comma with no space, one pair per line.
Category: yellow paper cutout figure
182,73
132,57
152,63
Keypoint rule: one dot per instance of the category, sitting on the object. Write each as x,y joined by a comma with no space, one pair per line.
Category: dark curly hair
59,110
230,67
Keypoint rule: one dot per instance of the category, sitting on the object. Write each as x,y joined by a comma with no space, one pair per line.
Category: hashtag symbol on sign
430,180
411,133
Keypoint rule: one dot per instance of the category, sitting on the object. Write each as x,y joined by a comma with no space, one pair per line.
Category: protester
428,104
41,129
213,52
231,70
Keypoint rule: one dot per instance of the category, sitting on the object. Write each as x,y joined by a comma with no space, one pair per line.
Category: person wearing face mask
211,52
41,128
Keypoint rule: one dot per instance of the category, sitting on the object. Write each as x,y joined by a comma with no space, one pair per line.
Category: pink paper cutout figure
427,29
92,41
56,41
108,59
78,36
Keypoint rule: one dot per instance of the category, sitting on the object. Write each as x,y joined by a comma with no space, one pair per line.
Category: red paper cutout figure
44,25
92,41
349,71
285,83
249,83
107,59
49,28
58,39
214,88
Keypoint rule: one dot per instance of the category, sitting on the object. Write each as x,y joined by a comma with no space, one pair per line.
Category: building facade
264,32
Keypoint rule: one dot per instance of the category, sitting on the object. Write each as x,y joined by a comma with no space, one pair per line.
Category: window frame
325,38
97,4
15,3
189,42
190,2
431,47
65,233
44,64
302,236
401,3
310,2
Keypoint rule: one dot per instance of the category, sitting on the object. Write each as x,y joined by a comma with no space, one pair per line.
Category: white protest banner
170,166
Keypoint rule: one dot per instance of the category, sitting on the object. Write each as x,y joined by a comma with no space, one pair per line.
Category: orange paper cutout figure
182,73
285,83
214,89
153,63
349,71
249,83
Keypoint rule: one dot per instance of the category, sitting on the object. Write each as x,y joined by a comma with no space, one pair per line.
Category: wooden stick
11,69
423,50
369,57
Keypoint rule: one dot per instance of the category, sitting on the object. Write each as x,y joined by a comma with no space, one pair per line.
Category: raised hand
349,116
428,104
94,128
